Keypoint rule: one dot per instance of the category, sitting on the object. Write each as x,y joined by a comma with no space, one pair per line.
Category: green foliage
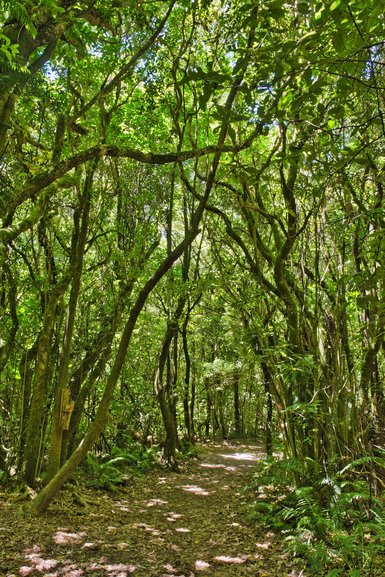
110,473
188,450
8,51
335,523
102,475
21,12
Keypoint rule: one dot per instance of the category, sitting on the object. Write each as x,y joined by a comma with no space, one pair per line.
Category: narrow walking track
164,525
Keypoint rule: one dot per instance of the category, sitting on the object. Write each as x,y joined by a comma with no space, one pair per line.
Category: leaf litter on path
163,525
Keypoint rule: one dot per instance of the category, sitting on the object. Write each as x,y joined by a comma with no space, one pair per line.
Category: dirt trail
165,525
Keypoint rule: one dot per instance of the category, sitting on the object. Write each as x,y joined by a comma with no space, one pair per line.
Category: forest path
182,524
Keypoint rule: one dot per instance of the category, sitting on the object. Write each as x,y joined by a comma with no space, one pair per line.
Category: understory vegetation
336,522
116,469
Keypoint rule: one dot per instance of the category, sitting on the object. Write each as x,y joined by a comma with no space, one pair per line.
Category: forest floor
163,524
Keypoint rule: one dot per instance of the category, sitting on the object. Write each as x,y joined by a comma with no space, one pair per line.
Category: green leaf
206,95
213,76
307,36
335,5
231,132
307,76
6,53
197,74
5,39
338,40
239,117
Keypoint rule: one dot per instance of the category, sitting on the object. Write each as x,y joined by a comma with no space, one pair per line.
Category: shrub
336,523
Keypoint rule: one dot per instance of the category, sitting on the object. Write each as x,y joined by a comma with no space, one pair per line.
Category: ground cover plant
335,523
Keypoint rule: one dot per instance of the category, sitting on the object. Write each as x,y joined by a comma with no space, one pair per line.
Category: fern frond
367,460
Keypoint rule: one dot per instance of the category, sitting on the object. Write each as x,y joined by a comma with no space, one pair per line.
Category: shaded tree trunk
237,412
40,385
187,378
81,218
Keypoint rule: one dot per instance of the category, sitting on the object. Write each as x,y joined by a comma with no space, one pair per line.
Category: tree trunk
192,407
187,378
237,413
81,218
165,390
40,386
222,420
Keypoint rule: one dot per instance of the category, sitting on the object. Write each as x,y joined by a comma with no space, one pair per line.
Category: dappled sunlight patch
174,575
24,571
240,456
64,538
172,517
122,506
119,570
243,447
153,531
266,545
124,509
195,489
71,571
33,549
147,528
154,502
182,530
37,562
111,569
201,565
170,568
90,545
231,560
228,468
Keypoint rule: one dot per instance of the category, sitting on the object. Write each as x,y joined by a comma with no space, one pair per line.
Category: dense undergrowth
115,469
336,523
112,469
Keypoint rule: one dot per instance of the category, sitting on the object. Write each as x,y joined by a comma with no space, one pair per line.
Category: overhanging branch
38,182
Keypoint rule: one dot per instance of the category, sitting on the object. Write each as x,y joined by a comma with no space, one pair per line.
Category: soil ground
164,524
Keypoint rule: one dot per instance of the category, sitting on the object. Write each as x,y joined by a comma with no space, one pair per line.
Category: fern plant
102,475
110,472
336,523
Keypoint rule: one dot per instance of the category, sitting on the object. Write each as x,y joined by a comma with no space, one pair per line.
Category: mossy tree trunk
79,239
